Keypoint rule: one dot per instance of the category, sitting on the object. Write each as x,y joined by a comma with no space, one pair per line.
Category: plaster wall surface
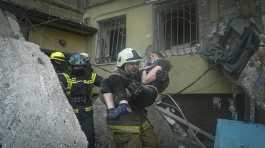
49,38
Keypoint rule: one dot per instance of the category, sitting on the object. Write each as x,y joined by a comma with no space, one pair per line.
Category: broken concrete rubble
252,78
34,112
232,46
169,137
235,46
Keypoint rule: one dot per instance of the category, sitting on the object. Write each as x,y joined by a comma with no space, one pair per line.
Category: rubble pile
232,45
236,47
252,78
34,111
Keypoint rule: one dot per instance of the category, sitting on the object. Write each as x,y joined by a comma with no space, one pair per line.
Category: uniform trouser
87,125
144,139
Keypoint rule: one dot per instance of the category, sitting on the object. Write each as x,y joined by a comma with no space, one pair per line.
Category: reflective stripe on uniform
69,84
92,80
86,109
130,128
71,81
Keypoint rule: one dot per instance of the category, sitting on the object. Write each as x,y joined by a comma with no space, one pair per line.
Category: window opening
177,25
111,39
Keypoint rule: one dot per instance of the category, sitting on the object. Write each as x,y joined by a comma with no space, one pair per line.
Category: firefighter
78,86
58,61
131,128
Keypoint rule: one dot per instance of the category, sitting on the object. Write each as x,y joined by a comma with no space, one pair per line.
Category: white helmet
128,55
84,54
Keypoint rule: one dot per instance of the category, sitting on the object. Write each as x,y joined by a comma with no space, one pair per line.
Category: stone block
34,111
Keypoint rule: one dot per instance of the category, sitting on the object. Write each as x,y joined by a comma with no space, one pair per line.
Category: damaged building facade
53,25
183,30
139,24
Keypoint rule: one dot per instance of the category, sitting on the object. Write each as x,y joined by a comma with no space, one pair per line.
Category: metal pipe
104,41
123,42
117,41
183,115
98,47
159,35
113,30
186,123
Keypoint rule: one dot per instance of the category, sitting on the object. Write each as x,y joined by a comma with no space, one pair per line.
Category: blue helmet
78,60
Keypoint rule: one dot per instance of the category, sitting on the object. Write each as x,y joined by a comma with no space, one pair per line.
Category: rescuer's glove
122,109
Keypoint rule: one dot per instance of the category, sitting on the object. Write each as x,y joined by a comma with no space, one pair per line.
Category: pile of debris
232,45
237,48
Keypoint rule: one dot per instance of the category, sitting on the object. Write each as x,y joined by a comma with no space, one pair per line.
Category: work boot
122,109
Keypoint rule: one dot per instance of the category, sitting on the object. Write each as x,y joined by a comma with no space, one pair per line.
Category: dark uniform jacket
118,84
78,88
60,67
